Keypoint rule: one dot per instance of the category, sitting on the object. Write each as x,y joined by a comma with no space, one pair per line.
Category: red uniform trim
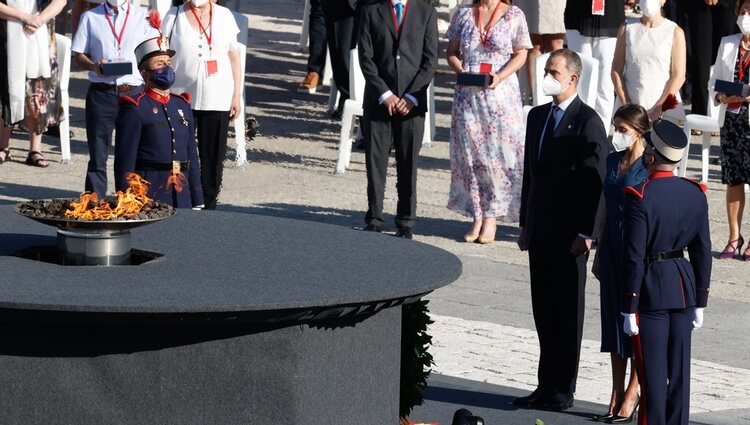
702,186
125,100
638,351
156,96
660,175
186,95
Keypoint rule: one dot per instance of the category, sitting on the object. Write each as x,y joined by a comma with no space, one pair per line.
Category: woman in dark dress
624,168
733,64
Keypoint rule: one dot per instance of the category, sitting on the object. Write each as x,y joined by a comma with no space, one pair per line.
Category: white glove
199,207
697,317
630,326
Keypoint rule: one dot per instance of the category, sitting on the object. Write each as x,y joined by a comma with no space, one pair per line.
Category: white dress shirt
95,39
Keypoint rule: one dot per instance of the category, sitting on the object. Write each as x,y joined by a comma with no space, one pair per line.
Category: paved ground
485,346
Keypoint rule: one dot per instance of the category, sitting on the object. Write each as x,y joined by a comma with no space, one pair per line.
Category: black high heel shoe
603,418
617,419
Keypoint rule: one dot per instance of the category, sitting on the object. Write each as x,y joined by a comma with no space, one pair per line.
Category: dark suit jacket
401,64
665,213
562,187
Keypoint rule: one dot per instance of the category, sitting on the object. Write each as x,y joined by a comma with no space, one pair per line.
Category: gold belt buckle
175,168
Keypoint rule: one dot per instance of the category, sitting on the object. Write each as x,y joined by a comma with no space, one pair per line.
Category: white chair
305,34
587,86
352,108
706,124
63,63
429,118
239,121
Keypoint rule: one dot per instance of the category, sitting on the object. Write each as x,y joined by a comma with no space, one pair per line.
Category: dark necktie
549,128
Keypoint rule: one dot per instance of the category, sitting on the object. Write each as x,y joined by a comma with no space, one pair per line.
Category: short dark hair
636,116
572,60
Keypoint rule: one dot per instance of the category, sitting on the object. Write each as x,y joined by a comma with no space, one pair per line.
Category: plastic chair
352,108
429,119
63,64
587,82
239,121
706,124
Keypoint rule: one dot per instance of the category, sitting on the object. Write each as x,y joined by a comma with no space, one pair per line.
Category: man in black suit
340,24
398,48
566,148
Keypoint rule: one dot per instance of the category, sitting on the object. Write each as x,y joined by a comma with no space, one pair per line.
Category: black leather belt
160,166
111,87
661,256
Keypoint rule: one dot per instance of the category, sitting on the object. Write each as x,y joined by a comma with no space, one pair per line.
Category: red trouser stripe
638,351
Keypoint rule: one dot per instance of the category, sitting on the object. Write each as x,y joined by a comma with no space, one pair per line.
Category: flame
128,203
177,180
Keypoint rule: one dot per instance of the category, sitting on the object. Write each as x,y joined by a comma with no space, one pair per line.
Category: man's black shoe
373,228
559,402
404,232
536,399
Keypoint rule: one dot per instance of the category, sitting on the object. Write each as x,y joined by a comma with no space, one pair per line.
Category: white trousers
602,49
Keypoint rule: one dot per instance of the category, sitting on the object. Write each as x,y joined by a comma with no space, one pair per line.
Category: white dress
648,60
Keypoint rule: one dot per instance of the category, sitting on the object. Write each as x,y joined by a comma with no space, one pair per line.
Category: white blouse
194,60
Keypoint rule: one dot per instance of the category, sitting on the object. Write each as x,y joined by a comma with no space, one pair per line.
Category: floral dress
42,94
735,139
487,130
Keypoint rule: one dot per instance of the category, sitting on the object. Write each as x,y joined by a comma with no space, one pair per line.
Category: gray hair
572,60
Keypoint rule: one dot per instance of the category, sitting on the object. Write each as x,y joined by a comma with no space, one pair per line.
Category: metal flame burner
85,247
92,243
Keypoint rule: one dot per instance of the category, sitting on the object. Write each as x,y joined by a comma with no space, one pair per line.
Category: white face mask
743,22
650,8
552,87
117,3
621,141
198,3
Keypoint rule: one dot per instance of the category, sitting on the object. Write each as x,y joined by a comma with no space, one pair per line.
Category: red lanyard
112,25
210,21
395,18
484,35
743,66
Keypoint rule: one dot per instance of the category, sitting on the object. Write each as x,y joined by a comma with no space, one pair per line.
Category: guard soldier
665,293
155,135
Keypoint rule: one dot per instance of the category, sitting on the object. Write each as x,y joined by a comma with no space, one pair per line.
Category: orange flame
128,203
177,180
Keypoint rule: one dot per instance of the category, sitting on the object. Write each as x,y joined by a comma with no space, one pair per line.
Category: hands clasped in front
395,105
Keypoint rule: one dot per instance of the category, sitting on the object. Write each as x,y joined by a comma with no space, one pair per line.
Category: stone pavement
484,333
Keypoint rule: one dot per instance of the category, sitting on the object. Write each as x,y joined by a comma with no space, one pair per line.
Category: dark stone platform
245,319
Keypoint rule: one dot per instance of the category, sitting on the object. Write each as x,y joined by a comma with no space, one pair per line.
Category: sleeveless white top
648,58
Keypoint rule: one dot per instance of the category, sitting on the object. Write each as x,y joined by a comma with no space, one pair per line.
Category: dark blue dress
614,340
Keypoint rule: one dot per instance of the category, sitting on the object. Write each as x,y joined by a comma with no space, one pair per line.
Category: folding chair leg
704,155
345,140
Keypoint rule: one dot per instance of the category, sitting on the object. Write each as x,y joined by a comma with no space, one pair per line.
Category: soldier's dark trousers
101,114
212,127
662,352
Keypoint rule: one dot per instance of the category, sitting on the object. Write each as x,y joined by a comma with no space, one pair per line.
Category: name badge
212,67
485,68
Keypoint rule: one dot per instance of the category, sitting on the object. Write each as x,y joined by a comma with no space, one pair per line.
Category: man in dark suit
566,149
340,24
665,293
398,54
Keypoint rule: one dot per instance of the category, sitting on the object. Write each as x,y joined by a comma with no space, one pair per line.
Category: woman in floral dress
487,131
29,94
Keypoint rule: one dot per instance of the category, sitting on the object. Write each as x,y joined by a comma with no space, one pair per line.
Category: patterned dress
42,94
487,131
735,140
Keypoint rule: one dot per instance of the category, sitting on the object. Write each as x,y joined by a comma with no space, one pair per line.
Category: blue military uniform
664,216
155,138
